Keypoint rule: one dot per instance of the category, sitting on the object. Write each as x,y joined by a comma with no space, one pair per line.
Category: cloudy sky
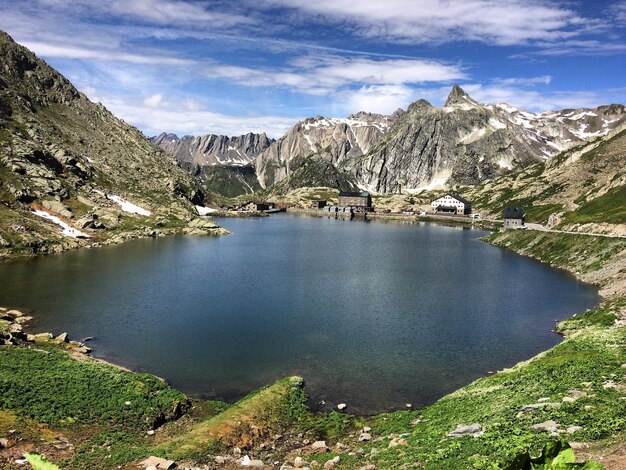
234,66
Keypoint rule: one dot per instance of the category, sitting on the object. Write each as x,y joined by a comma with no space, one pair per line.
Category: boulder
83,350
320,446
58,208
547,426
299,462
62,338
397,441
341,406
248,462
90,221
364,437
473,430
6,443
158,463
536,406
42,337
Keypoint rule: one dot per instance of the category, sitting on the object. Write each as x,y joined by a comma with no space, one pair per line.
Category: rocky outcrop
224,165
580,190
60,153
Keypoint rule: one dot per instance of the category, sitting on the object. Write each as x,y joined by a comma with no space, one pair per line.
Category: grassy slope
586,184
584,362
49,386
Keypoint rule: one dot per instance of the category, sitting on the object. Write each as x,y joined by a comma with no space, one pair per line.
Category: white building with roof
452,203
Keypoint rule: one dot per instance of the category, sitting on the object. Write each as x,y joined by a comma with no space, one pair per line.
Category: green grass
39,463
50,386
585,361
609,208
604,315
577,253
261,414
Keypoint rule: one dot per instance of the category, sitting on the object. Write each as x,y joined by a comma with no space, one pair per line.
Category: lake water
372,314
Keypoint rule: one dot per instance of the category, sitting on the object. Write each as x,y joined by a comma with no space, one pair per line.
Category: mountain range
426,147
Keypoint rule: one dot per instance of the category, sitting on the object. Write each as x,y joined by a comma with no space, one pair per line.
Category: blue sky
230,67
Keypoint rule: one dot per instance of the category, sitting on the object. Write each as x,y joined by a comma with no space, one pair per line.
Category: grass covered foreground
79,413
579,385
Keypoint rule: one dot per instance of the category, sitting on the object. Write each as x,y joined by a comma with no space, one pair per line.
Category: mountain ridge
66,160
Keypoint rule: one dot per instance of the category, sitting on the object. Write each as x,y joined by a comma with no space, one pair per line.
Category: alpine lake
373,314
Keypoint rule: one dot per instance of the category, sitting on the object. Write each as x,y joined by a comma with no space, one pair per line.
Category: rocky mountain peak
419,105
459,96
164,137
397,113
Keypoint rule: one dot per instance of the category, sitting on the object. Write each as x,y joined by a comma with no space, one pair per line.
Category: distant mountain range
463,142
223,164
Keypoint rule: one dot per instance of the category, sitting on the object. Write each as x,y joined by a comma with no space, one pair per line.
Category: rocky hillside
465,142
70,170
224,165
211,149
581,189
332,139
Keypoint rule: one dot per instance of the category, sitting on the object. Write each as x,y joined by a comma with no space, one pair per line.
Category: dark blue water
374,314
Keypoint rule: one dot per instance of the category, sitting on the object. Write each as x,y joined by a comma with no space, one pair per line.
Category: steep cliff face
465,142
211,149
332,139
72,158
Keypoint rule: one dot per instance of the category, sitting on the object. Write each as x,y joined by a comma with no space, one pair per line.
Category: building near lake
452,204
257,206
318,204
360,201
514,217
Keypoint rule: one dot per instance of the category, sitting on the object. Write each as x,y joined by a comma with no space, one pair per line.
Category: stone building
514,217
452,203
257,206
359,201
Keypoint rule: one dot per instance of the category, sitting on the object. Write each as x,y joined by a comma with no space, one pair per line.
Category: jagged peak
397,113
458,96
166,135
419,105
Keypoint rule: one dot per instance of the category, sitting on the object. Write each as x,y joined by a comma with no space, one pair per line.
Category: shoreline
419,431
111,362
69,244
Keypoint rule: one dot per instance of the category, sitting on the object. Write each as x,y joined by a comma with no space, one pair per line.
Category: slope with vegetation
582,189
71,158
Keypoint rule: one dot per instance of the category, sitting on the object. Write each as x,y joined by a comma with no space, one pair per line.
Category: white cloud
77,52
523,81
158,12
382,99
176,116
501,22
328,74
618,11
154,100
